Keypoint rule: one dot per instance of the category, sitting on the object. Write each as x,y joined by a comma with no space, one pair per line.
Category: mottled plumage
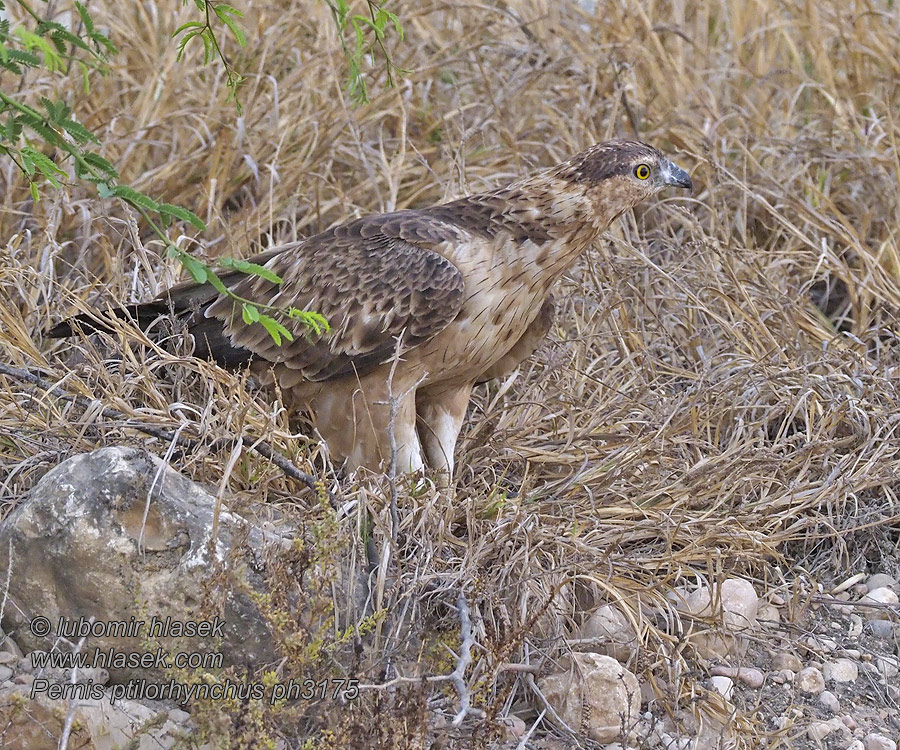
463,286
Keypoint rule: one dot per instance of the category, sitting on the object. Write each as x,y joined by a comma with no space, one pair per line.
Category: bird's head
617,175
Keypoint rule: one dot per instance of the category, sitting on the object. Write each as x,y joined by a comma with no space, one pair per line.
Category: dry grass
718,396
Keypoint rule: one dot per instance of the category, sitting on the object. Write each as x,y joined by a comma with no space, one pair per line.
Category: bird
422,304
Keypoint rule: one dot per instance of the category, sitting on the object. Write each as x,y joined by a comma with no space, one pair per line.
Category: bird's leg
441,410
354,418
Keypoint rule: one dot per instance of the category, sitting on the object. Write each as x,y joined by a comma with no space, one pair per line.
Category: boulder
118,536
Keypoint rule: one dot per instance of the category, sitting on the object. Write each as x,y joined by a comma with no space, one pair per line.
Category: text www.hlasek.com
159,660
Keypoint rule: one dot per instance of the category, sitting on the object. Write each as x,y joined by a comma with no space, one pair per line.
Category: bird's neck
552,220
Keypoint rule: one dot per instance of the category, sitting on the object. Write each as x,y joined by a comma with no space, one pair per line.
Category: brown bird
456,293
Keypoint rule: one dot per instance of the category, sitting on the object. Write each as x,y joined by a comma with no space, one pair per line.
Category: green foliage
363,28
28,135
203,31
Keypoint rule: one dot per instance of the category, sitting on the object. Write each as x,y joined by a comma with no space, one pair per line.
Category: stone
786,660
5,673
514,726
876,741
840,670
881,580
819,730
810,680
734,605
830,701
850,723
87,542
880,628
8,657
879,596
9,646
768,615
595,696
724,686
749,676
99,724
612,632
887,666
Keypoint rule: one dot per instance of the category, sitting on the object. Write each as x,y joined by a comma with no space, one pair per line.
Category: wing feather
373,280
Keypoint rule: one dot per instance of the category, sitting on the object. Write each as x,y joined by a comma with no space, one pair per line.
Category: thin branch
465,658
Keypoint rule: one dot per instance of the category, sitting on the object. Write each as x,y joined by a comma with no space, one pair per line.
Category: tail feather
210,338
143,314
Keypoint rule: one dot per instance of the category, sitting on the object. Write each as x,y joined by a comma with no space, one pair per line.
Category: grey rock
876,741
880,580
88,543
840,670
597,695
811,681
830,701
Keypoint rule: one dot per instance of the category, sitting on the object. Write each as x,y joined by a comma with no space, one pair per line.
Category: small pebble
515,727
850,723
888,666
882,596
881,628
5,673
786,660
810,680
840,670
8,658
819,730
830,701
724,686
856,745
749,676
878,742
768,614
881,580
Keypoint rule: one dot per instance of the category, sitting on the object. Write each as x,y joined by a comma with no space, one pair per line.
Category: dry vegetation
718,396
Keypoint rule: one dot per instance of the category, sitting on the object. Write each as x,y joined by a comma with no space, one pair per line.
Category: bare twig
465,658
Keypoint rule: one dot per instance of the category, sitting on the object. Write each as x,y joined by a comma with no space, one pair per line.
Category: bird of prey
456,293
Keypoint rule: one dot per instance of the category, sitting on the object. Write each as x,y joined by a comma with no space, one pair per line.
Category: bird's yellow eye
642,171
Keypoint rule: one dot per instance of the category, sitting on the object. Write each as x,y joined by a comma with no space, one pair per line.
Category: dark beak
677,177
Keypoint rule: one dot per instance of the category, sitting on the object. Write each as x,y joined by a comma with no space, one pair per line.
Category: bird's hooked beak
675,176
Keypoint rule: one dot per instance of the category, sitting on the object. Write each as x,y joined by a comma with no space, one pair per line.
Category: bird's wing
373,280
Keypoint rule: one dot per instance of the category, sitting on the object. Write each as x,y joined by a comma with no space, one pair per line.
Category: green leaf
105,191
251,269
35,195
98,162
225,14
79,132
250,313
44,164
216,282
85,18
198,270
275,329
168,209
135,198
